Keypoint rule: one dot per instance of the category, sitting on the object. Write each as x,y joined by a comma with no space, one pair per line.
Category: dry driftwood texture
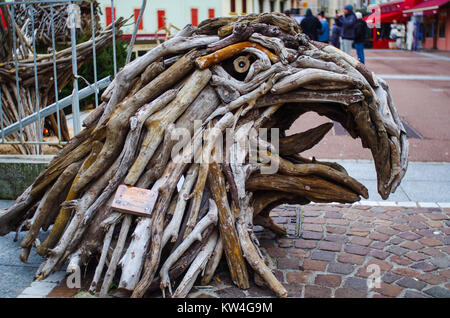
235,76
44,66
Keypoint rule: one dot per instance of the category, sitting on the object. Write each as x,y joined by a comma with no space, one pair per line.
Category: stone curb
405,204
40,289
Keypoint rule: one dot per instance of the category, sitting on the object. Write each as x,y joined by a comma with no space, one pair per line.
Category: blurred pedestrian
324,34
336,36
360,36
347,23
311,25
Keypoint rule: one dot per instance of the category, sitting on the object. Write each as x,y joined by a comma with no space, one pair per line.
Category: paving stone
424,266
328,280
314,265
330,246
312,227
276,252
379,254
396,241
386,230
294,290
379,237
358,232
409,236
312,213
441,262
62,292
364,241
390,277
350,258
431,279
437,216
411,283
414,294
417,256
430,242
314,220
434,224
407,272
338,222
378,245
412,245
349,293
356,249
438,292
335,229
288,263
397,250
285,243
355,283
389,290
333,215
340,268
323,255
445,273
256,291
299,253
401,227
400,260
312,291
418,225
308,235
433,252
305,244
230,292
384,266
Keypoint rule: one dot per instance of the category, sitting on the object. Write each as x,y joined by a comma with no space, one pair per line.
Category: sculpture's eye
239,66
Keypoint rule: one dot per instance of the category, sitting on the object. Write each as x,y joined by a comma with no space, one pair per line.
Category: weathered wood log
231,244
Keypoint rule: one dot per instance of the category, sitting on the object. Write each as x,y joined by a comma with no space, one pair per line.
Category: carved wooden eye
241,64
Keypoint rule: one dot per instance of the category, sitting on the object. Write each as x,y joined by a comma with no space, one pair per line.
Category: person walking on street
311,25
360,36
324,34
347,23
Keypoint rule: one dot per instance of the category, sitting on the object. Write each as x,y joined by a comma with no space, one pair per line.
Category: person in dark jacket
347,23
324,34
336,36
311,25
360,36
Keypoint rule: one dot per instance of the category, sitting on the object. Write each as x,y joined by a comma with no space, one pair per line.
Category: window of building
442,25
272,6
136,16
161,14
211,13
109,16
244,6
233,5
261,6
194,16
430,27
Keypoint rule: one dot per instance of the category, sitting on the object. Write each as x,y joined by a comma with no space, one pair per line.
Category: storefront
435,16
381,19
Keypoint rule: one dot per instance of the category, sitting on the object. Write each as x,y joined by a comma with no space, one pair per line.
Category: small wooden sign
134,200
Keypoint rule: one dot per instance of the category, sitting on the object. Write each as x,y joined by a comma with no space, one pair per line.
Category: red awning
385,17
427,6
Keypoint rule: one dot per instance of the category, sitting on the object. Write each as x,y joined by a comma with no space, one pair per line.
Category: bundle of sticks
22,102
46,20
160,127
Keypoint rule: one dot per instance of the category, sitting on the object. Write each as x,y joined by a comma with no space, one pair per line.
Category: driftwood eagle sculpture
161,126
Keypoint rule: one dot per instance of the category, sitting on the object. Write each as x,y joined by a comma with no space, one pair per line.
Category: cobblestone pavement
341,246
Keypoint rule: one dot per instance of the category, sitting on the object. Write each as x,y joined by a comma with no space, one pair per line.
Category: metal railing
73,100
